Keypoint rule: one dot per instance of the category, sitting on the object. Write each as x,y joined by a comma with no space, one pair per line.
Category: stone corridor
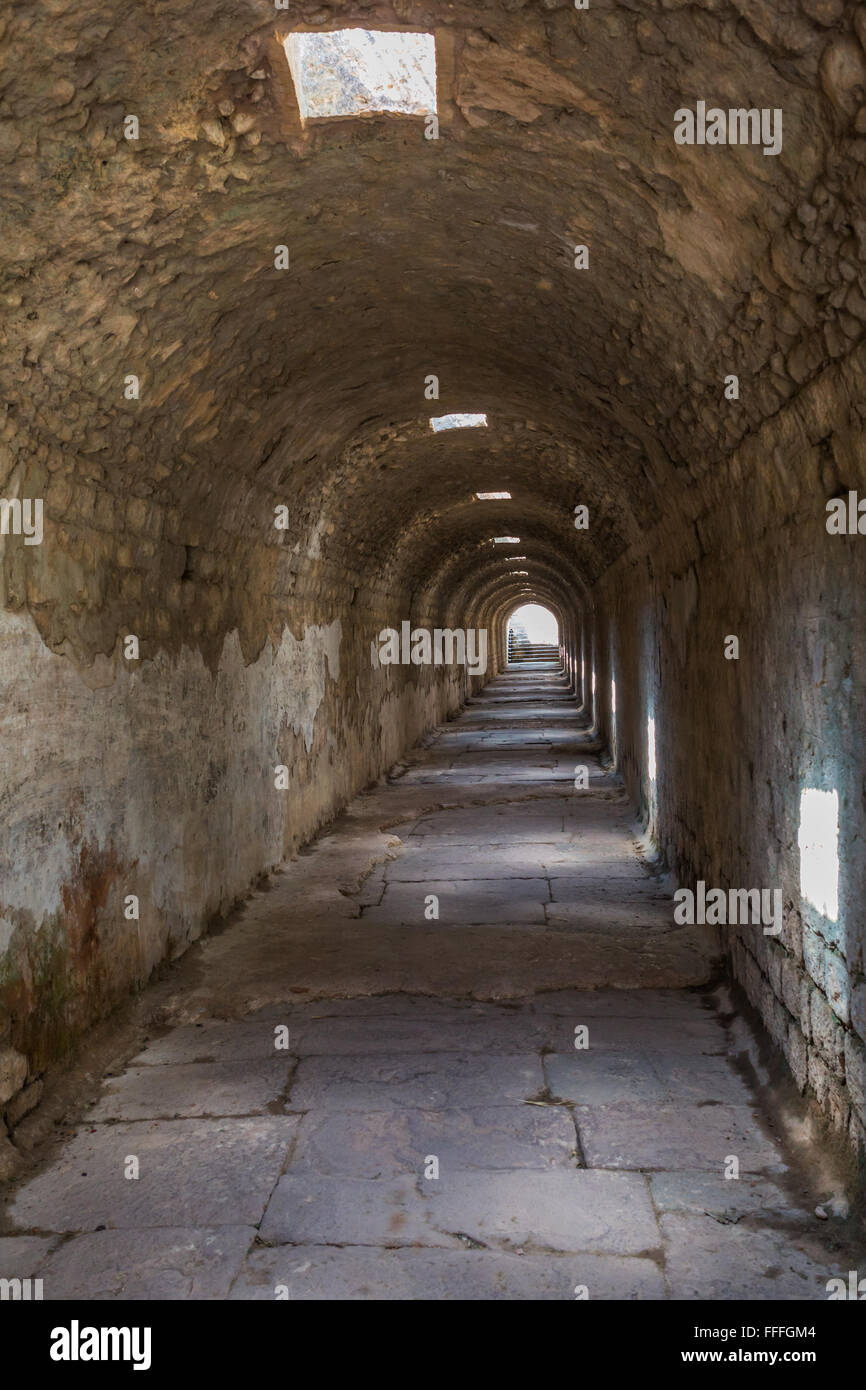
428,1127
433,650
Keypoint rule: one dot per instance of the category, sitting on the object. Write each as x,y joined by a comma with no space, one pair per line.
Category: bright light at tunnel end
536,623
818,842
457,422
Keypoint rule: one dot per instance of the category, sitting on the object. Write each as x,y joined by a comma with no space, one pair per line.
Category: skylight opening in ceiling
493,496
348,72
457,422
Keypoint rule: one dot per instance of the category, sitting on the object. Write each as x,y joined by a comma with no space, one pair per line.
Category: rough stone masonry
240,487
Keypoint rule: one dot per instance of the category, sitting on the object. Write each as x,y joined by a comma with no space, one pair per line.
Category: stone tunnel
343,954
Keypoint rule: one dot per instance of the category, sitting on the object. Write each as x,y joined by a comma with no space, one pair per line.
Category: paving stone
728,1199
149,1265
425,1082
372,1007
356,1272
192,1173
307,1208
455,1032
612,916
630,1134
598,858
700,1078
214,1040
534,733
204,1088
21,1257
706,1259
538,822
674,1005
417,864
689,1038
508,776
387,1080
478,900
389,1143
591,1077
576,1210
372,889
599,887
626,880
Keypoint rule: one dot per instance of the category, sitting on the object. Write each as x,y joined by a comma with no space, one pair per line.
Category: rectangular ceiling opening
506,540
493,496
457,422
347,72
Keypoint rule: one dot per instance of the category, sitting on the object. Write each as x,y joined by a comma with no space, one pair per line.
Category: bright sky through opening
539,622
347,72
457,422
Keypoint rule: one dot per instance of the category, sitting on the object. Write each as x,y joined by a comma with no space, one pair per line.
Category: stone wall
266,380
155,779
738,740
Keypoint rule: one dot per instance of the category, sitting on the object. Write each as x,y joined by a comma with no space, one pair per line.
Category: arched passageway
533,635
535,623
315,368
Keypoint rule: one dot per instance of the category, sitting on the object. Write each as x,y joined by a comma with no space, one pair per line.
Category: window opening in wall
613,738
493,496
818,841
347,72
651,748
506,540
457,422
520,572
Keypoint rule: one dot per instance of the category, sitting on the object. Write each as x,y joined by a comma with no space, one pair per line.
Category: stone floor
532,1097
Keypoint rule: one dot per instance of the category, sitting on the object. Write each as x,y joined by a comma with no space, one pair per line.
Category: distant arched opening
533,635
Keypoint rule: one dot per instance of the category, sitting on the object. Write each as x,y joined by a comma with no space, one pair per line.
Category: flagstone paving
530,1096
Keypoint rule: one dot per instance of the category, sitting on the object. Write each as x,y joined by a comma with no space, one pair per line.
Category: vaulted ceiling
407,257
